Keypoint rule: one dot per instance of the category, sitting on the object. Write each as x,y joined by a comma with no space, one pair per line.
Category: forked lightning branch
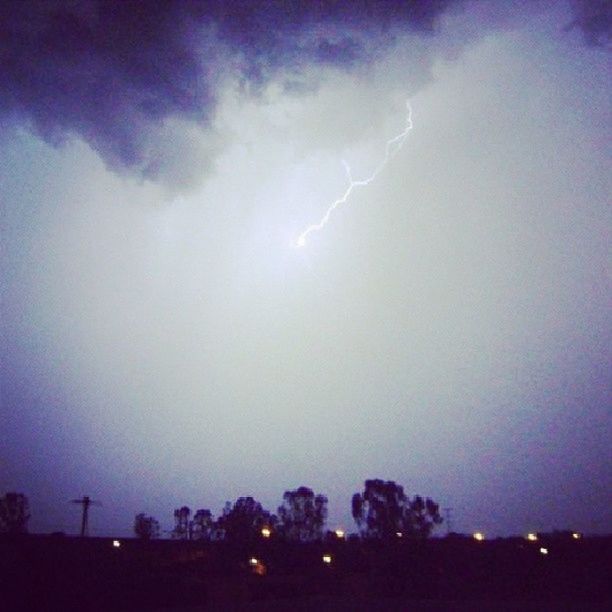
391,149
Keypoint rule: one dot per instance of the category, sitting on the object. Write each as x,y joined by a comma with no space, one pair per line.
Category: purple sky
164,344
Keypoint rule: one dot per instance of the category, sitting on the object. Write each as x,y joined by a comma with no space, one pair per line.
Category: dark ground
65,573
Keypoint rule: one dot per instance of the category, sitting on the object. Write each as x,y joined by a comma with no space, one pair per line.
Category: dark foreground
61,573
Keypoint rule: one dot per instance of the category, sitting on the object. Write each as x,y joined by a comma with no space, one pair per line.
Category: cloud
108,72
127,76
116,73
594,18
461,300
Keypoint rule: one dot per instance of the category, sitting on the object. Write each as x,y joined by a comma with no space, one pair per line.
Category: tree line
381,511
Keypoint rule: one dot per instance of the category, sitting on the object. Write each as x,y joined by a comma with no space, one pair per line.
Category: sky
164,340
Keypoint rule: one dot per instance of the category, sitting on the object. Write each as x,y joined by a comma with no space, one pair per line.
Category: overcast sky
163,341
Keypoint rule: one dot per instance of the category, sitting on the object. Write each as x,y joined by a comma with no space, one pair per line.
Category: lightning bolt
391,149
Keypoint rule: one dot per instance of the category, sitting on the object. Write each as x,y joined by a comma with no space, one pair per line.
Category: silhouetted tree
146,527
244,520
424,515
302,515
202,525
383,511
182,526
14,513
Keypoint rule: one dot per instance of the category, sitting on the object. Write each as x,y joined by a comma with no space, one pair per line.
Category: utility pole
447,512
85,502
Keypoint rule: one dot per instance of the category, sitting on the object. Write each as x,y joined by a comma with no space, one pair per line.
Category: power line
448,514
85,502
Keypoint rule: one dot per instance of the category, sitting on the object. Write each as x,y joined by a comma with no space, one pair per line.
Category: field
456,573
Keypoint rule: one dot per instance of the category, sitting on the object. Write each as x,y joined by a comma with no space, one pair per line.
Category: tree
302,515
182,526
383,511
202,525
14,513
244,520
146,527
424,516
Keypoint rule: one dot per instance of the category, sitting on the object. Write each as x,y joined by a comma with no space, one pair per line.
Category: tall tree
244,520
424,516
182,526
302,515
202,525
146,527
14,513
383,510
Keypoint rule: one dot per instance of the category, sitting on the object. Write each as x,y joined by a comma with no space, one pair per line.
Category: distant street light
266,532
116,544
544,551
532,537
399,534
339,534
257,566
479,537
327,559
576,535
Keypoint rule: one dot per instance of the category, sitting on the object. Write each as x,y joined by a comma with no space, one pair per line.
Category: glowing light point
327,559
544,551
339,534
399,534
576,535
257,566
532,537
116,544
266,532
479,537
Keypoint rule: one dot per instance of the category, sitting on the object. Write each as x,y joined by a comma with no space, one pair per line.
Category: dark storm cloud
111,72
274,29
106,71
594,18
115,73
